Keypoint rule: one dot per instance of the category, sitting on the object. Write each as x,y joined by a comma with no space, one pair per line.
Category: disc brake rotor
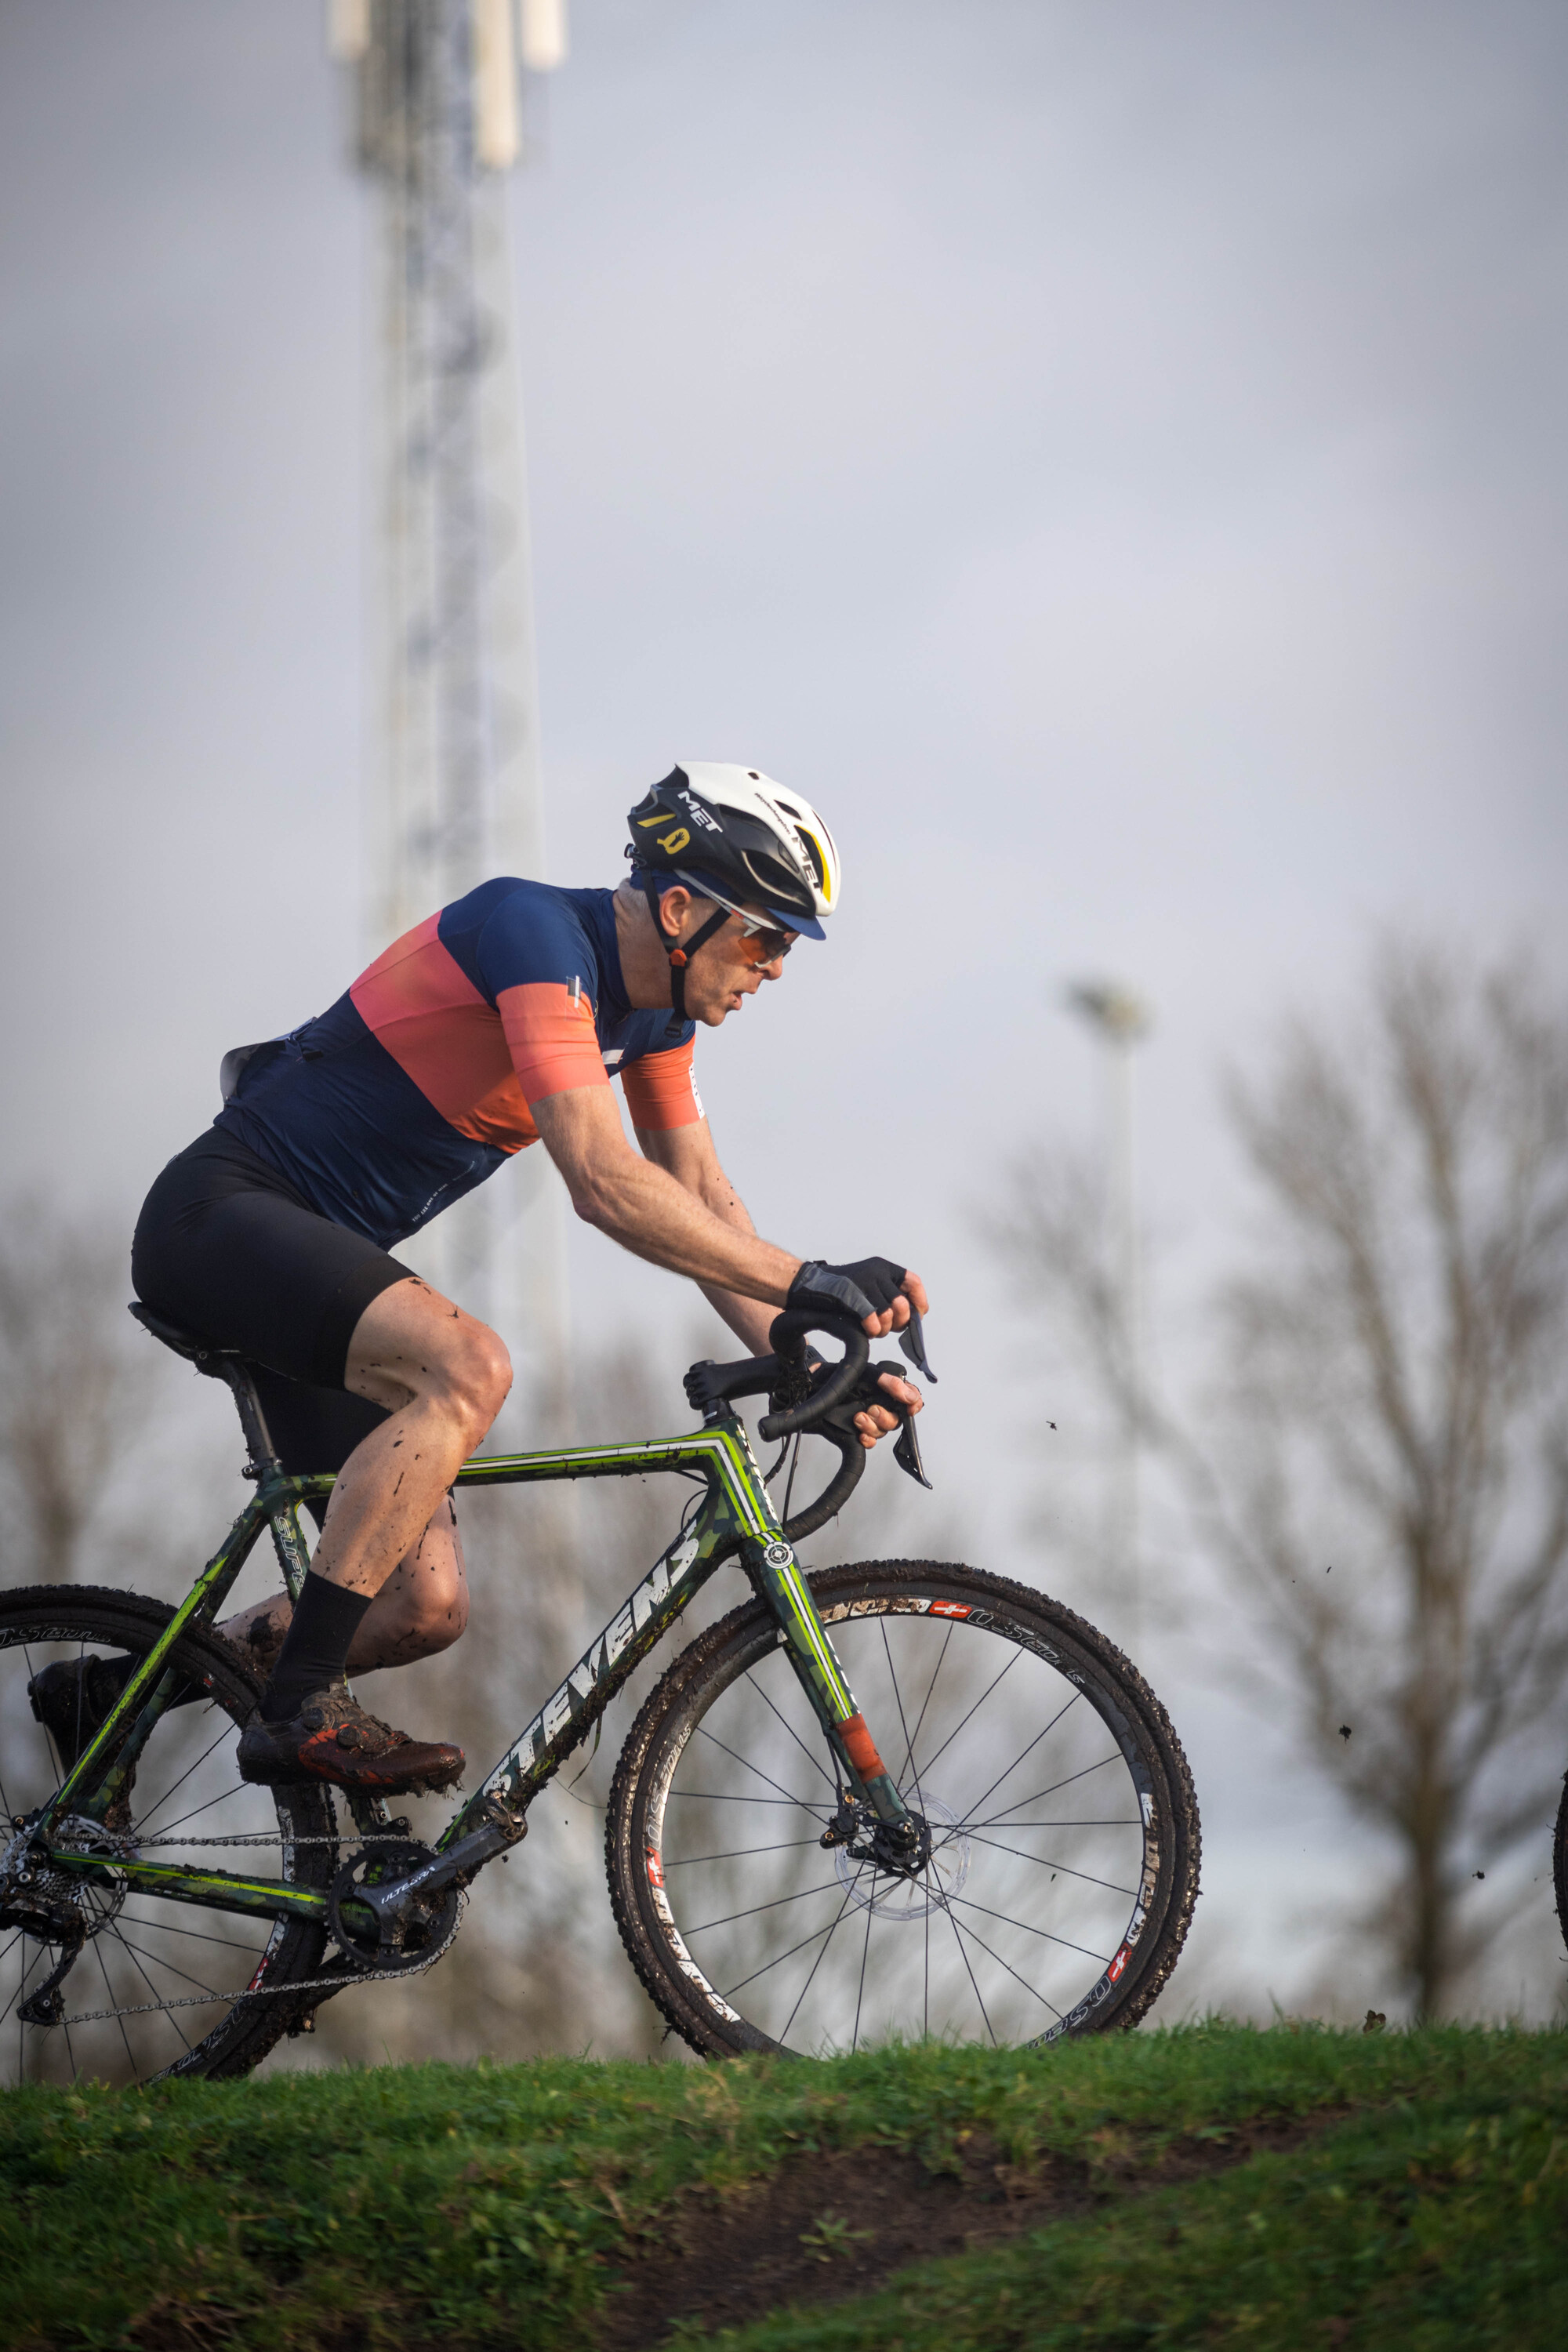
901,1895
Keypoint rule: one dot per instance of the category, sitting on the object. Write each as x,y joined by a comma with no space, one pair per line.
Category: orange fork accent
861,1749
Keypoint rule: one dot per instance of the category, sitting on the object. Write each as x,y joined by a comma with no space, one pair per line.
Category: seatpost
263,1463
264,1466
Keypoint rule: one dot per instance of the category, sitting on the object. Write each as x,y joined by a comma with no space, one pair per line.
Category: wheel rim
1027,1918
154,1986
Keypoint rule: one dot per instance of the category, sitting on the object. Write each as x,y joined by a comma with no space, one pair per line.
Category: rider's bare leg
421,1609
441,1378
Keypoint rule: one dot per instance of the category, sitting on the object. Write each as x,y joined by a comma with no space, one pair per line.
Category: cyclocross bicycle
891,1799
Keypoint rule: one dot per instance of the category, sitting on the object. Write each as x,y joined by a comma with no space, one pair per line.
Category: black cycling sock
316,1647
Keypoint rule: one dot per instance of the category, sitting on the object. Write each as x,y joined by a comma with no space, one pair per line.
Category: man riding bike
496,1023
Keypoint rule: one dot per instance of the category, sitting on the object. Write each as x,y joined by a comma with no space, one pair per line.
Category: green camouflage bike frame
734,1516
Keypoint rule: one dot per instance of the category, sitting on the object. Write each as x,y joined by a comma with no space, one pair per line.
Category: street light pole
1120,1020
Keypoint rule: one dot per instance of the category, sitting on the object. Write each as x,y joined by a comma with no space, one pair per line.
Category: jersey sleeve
550,1037
539,968
660,1090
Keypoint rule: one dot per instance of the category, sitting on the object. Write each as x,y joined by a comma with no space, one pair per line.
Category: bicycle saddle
201,1352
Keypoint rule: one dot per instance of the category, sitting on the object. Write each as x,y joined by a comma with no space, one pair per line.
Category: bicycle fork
775,1574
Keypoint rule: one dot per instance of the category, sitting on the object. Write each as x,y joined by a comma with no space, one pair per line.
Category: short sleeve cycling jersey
420,1081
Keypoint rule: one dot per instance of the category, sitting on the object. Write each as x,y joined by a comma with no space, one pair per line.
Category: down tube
570,1711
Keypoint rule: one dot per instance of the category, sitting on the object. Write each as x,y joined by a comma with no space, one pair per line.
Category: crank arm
455,1867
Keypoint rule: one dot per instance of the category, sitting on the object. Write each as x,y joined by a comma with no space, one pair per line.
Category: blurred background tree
1379,1458
71,1405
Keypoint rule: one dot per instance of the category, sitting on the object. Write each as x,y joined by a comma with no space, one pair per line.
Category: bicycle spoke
1113,1821
757,1769
1044,1932
740,1853
813,1761
975,1937
1043,1862
114,2005
780,1957
899,1702
729,1797
1114,1758
931,1692
161,2007
779,1902
159,1962
164,1927
238,1790
811,1973
979,1703
80,1693
27,1968
1017,1759
146,1820
861,1989
963,1956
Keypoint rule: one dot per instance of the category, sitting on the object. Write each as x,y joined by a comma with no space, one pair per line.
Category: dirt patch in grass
823,2228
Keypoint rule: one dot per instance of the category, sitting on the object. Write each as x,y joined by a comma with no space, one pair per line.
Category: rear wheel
156,1988
1061,1860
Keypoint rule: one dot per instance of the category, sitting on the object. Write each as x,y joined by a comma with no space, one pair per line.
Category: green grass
483,2206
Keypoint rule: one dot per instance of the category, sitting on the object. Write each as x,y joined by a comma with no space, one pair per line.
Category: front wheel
1060,1857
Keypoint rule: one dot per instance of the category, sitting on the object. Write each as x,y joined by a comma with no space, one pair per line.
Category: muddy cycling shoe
334,1739
71,1700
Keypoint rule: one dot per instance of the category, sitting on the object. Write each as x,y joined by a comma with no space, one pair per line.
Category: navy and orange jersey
420,1082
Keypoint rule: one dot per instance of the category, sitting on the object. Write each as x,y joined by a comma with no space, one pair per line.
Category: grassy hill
1214,2186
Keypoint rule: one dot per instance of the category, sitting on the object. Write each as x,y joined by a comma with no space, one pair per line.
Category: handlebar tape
788,1339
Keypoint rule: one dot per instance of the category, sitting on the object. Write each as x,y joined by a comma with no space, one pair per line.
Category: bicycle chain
341,1983
272,1837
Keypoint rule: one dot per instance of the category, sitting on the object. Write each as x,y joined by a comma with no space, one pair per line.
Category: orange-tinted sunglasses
761,943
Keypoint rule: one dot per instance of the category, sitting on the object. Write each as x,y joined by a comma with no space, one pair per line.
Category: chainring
418,1933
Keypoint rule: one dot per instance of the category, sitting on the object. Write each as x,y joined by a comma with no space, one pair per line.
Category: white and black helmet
733,836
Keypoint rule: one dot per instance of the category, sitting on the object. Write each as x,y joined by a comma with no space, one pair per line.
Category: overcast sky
1110,457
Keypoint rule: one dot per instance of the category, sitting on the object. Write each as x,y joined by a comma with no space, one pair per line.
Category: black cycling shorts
225,1249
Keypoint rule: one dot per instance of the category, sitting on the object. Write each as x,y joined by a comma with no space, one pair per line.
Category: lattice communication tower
455,791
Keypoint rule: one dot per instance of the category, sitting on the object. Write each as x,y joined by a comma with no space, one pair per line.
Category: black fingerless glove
868,1286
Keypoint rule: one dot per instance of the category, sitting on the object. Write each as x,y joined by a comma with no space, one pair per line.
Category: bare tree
1384,1460
71,1401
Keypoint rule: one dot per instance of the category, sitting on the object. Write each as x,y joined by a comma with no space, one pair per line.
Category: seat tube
777,1576
289,1543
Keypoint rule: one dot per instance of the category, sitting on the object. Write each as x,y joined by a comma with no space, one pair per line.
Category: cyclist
497,1022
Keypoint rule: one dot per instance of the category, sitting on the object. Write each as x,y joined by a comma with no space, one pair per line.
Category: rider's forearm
749,1319
654,1217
